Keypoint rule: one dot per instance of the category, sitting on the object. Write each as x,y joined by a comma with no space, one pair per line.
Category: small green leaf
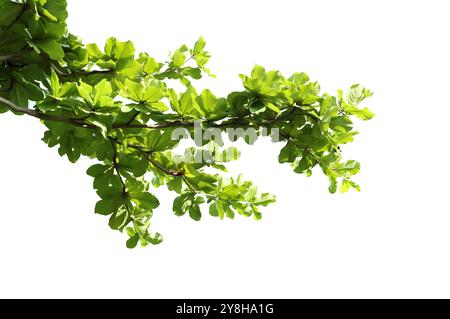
333,185
265,199
195,213
54,80
363,114
133,241
357,94
346,184
199,45
178,59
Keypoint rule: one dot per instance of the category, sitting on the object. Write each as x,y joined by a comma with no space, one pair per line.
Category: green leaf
108,206
174,101
349,168
85,91
97,121
54,80
199,45
178,58
216,210
195,213
10,10
52,48
333,185
288,154
188,104
150,65
103,88
175,184
265,199
67,89
344,137
94,51
207,101
363,114
57,8
305,163
349,184
133,90
133,241
153,92
213,210
165,141
194,73
341,124
146,200
299,78
228,211
155,239
128,67
119,50
357,94
182,203
119,219
97,170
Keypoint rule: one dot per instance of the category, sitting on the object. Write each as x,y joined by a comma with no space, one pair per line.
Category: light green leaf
94,51
153,92
199,45
85,91
357,94
101,89
363,114
178,59
119,50
54,80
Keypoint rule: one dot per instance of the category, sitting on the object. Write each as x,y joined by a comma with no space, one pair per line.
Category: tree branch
61,72
80,122
156,126
160,167
46,117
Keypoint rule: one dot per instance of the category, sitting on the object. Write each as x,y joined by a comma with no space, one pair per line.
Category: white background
390,240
